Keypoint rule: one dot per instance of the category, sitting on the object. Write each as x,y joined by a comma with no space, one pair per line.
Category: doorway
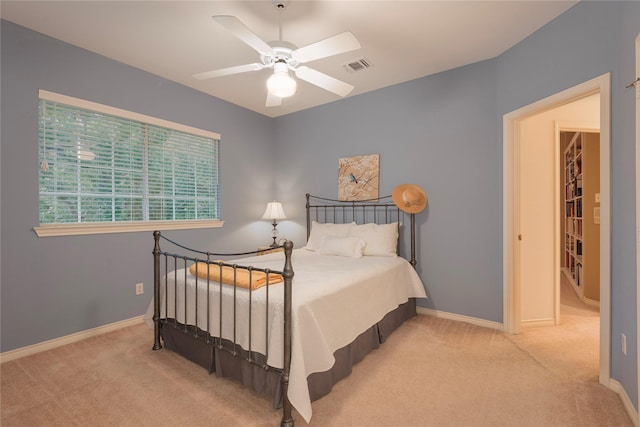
541,190
579,211
512,212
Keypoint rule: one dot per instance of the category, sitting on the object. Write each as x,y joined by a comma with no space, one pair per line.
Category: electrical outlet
624,344
139,288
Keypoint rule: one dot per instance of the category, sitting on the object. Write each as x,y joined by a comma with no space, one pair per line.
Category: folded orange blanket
258,278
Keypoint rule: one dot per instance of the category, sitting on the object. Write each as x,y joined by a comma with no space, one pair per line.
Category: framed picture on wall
358,177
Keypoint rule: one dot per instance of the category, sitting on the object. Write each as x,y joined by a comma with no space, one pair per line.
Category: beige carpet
572,348
431,372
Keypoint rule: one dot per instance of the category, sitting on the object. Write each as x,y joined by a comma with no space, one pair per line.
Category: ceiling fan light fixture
281,84
284,57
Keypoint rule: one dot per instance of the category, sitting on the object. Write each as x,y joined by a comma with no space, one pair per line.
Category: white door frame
637,89
510,203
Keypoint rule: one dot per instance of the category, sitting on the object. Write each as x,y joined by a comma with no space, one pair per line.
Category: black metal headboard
379,211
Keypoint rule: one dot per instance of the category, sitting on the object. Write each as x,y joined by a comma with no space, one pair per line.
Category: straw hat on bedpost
409,198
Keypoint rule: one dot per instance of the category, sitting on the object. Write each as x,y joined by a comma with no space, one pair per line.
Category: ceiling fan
283,57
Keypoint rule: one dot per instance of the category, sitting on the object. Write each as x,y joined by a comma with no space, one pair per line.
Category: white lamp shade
274,211
281,84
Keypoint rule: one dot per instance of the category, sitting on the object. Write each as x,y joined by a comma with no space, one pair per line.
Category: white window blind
97,167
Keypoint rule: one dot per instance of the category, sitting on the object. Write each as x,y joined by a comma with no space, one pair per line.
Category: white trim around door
637,89
510,232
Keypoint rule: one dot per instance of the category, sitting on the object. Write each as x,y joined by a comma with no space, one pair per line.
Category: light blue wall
591,39
443,132
438,132
56,286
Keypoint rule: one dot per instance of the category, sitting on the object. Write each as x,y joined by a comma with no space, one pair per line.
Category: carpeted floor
430,372
573,347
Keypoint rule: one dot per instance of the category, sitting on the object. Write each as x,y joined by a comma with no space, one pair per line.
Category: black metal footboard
170,269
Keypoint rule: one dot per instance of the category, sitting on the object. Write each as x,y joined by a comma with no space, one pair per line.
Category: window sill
49,230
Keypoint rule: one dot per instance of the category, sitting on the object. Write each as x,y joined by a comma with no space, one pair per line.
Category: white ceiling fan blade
227,71
243,32
324,81
339,43
272,100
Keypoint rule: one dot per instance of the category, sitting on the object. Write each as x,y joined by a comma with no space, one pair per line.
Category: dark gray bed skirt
267,382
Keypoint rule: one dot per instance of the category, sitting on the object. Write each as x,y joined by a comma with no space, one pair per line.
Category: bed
291,323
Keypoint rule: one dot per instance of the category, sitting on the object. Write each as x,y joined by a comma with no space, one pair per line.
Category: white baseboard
460,318
68,339
538,322
631,411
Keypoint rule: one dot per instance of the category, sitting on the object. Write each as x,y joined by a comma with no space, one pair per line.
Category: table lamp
274,212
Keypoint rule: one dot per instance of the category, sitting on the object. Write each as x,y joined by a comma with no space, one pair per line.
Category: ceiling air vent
359,64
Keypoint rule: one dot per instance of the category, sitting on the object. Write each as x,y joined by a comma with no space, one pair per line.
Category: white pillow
380,239
319,231
342,246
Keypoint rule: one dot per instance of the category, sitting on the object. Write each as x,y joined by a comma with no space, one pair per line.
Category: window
103,169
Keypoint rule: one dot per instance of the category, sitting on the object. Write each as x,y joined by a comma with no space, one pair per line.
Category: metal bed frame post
308,217
413,261
287,273
156,291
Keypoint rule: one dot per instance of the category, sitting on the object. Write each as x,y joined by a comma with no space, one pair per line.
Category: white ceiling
403,40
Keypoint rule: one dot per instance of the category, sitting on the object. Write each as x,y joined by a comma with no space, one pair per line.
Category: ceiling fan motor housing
283,52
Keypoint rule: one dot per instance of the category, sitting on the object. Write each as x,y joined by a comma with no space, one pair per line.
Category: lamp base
274,234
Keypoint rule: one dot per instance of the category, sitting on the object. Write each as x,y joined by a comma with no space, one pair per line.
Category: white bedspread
335,299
